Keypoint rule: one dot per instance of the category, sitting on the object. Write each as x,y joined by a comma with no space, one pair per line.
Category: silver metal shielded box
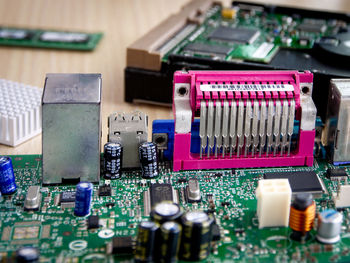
337,133
71,128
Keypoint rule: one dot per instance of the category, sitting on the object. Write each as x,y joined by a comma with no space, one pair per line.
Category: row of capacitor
172,234
113,156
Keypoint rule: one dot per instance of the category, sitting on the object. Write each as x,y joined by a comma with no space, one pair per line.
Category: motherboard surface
252,34
227,194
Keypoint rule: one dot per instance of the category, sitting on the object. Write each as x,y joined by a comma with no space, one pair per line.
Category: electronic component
148,160
216,236
329,226
239,34
274,198
67,197
27,255
229,13
121,246
246,119
7,176
129,130
313,25
146,240
168,242
207,49
93,222
300,181
336,137
158,193
64,37
342,197
336,173
166,211
112,158
37,38
83,199
196,236
105,190
193,192
73,101
302,216
13,33
33,198
20,112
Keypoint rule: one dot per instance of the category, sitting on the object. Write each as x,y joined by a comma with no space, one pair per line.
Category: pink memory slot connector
247,119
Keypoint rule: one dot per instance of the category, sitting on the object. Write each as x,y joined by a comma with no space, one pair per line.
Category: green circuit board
252,35
62,237
48,39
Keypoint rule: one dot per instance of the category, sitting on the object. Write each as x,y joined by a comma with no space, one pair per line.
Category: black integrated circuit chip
67,197
105,190
333,173
313,26
122,245
300,181
202,48
160,193
93,222
235,34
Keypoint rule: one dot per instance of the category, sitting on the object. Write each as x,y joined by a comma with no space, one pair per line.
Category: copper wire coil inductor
302,221
302,216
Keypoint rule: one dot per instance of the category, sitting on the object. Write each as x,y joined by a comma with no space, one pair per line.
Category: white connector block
342,197
274,198
20,112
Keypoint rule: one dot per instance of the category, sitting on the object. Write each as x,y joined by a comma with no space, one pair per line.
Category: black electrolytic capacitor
166,211
112,160
148,160
196,236
169,241
146,239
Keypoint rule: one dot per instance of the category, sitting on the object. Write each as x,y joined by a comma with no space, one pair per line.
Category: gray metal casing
71,127
128,129
338,121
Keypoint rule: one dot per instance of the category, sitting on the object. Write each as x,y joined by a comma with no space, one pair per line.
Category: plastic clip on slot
246,119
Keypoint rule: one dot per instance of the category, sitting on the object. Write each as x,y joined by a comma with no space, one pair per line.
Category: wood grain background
122,21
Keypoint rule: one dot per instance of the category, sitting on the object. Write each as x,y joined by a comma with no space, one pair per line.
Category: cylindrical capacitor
329,226
148,160
7,176
112,156
196,236
169,241
146,238
27,254
166,211
83,198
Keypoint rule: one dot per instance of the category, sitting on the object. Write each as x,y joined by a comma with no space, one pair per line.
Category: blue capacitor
7,177
83,198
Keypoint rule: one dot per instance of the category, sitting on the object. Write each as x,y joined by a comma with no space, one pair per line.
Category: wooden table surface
122,21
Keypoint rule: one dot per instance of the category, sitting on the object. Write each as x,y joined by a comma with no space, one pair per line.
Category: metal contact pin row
246,129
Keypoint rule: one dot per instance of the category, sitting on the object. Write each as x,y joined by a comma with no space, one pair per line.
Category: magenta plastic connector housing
184,159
